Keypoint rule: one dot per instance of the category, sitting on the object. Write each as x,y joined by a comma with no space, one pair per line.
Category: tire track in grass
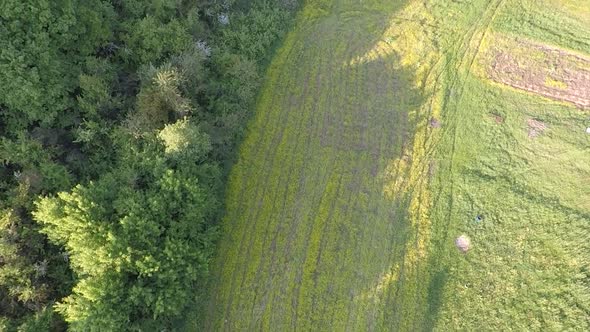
289,184
352,190
489,15
269,160
455,81
277,186
334,94
457,85
324,103
230,223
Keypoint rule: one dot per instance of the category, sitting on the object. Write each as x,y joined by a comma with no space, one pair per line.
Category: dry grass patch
545,70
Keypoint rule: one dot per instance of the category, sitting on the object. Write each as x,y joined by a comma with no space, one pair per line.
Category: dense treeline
118,120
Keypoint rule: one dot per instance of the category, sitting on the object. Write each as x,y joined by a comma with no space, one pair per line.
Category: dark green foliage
256,31
40,46
138,239
123,109
32,273
149,40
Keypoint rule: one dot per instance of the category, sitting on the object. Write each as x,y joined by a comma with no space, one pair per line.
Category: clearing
381,132
541,69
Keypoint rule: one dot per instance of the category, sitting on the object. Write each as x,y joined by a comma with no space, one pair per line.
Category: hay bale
463,243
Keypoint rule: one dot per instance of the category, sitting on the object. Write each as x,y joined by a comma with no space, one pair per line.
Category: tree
139,240
160,100
183,139
40,52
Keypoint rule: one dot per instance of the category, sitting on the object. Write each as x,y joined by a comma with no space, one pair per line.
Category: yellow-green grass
529,266
343,206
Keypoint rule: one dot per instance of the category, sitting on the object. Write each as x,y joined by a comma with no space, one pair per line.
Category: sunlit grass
344,205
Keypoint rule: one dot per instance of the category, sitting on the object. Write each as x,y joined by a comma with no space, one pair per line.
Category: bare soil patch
544,70
497,118
434,123
536,127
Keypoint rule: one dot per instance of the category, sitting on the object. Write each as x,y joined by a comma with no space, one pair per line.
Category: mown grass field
378,137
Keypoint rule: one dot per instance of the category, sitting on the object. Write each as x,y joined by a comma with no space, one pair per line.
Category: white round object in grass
588,130
463,243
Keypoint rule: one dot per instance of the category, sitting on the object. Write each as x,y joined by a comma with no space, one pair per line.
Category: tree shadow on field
395,291
334,256
369,124
435,295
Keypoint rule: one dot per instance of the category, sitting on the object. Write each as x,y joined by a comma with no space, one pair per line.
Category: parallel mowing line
400,103
348,139
281,212
242,224
330,130
383,78
323,240
356,82
356,203
362,94
314,133
270,170
310,111
235,225
319,91
323,184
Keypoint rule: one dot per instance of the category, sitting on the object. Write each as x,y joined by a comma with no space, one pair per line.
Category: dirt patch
497,118
544,70
434,123
536,127
431,168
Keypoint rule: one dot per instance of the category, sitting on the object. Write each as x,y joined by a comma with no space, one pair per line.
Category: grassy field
378,137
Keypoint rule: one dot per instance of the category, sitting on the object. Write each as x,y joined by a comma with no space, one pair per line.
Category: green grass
344,203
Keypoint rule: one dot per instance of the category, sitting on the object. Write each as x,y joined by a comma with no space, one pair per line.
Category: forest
119,120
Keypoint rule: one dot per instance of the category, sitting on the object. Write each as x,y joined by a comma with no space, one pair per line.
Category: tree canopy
118,120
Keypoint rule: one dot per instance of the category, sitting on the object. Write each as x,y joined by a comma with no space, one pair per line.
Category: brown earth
536,127
497,118
547,71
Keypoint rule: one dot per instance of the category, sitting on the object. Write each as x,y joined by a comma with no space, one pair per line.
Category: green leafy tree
40,51
139,239
184,140
160,100
255,31
32,272
75,76
149,40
